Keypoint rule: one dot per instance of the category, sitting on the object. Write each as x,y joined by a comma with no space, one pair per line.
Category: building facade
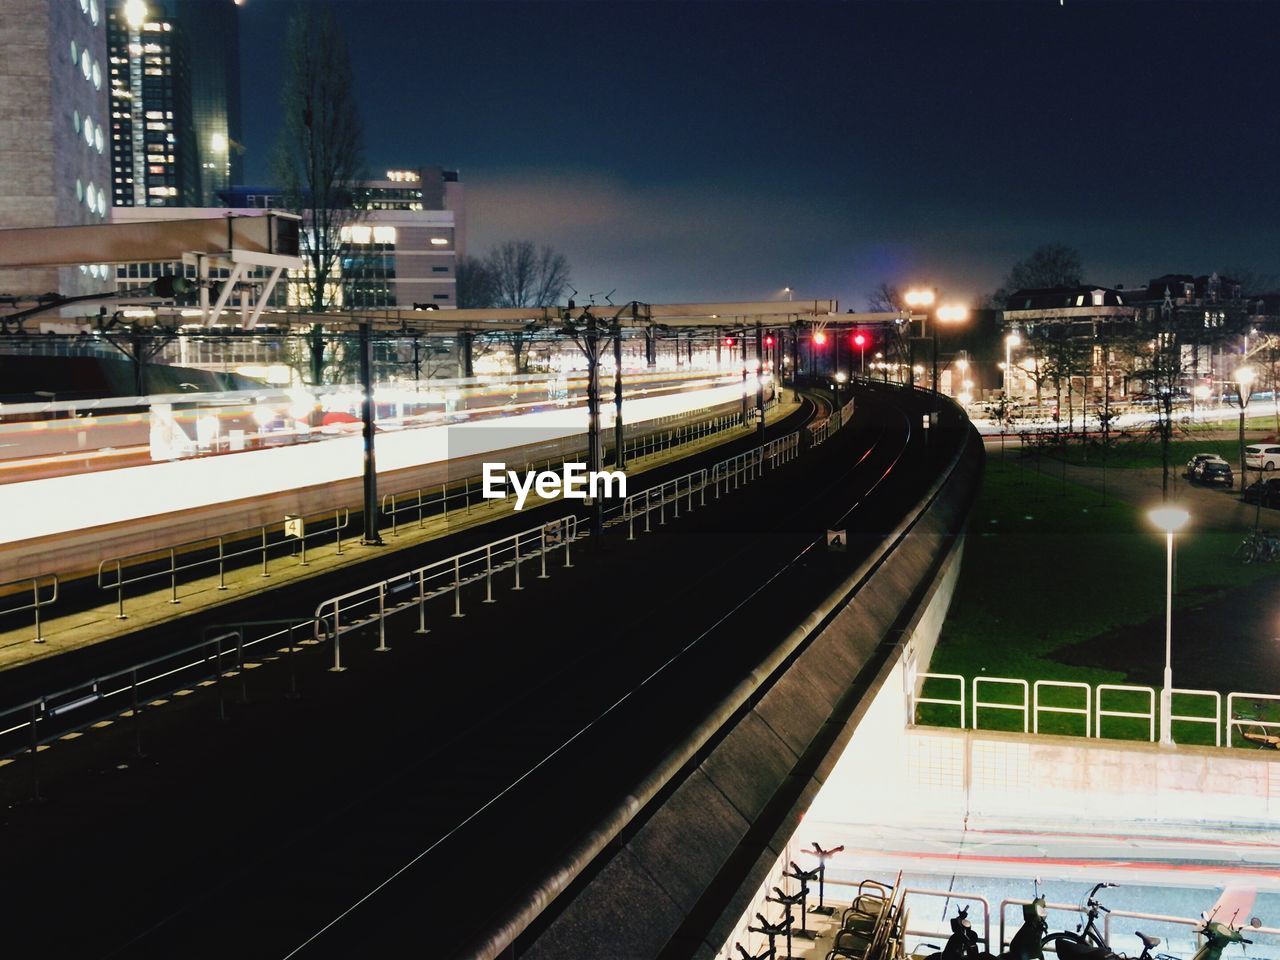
400,250
55,165
175,101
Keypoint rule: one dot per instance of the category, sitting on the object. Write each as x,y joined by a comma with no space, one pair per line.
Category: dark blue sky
700,151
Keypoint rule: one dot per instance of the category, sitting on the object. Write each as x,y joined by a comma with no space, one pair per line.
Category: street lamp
1244,377
918,297
788,291
948,313
1170,520
1010,341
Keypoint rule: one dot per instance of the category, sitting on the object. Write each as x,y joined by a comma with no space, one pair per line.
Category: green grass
1047,565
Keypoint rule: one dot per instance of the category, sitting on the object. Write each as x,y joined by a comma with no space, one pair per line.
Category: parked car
1266,491
1262,456
1215,471
1195,461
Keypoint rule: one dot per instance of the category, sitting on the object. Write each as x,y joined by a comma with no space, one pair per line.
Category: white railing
959,701
18,589
659,497
1094,704
372,605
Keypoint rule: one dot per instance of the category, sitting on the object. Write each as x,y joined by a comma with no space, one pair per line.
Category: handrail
36,603
374,603
99,697
120,564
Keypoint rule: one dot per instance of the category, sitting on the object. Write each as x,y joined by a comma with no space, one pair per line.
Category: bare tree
319,158
1053,265
885,299
524,275
476,287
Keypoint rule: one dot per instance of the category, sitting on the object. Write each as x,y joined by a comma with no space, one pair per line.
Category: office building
175,101
54,158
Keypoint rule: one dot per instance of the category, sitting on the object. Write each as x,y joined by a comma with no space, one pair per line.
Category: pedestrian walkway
166,604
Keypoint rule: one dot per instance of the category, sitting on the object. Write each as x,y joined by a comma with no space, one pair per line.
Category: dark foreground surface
400,806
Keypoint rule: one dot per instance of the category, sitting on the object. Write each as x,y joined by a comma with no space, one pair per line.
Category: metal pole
593,417
465,339
317,354
1166,694
619,455
759,383
371,535
745,408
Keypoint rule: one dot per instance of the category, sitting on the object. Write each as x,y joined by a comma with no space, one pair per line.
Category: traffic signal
859,339
728,341
768,339
819,337
169,286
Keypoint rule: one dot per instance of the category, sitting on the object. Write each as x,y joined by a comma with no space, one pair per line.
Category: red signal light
768,340
859,340
819,337
728,341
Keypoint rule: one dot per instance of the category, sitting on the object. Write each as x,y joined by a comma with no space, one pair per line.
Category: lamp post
1244,377
1011,340
920,297
1170,520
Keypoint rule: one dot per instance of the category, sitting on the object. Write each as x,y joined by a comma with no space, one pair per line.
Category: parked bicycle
1257,546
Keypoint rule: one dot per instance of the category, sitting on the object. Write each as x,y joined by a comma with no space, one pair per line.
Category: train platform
170,600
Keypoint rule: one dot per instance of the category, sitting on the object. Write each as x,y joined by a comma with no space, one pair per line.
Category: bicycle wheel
1051,939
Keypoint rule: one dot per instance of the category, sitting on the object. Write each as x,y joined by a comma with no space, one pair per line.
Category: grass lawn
1047,565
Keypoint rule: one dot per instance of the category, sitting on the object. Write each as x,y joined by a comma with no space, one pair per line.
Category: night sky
701,151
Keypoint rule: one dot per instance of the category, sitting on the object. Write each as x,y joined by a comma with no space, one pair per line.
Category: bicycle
1086,940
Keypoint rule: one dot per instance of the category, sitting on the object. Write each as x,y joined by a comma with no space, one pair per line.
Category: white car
1262,456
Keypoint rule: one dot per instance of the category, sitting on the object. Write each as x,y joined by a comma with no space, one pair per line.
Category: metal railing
127,691
36,601
948,895
1109,916
1097,703
145,560
372,605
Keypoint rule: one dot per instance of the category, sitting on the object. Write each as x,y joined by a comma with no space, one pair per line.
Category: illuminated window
384,235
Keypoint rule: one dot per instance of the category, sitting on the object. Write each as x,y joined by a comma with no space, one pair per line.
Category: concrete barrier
707,830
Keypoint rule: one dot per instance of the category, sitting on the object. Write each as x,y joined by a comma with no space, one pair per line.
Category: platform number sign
837,541
294,526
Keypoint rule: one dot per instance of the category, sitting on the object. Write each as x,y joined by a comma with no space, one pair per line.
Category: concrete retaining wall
680,884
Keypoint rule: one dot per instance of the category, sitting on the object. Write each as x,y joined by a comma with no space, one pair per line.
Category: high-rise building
54,159
213,29
175,100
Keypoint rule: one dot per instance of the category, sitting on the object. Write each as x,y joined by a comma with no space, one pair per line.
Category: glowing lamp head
819,337
135,13
768,340
952,313
859,339
1245,376
919,298
1169,519
728,341
1013,339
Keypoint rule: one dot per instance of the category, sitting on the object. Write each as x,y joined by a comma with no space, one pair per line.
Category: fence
373,604
126,692
16,588
1031,703
151,564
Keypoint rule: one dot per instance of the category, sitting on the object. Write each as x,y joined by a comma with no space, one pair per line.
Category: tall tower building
175,100
54,158
213,29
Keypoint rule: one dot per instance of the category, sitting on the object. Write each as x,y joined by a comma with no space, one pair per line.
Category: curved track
440,780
